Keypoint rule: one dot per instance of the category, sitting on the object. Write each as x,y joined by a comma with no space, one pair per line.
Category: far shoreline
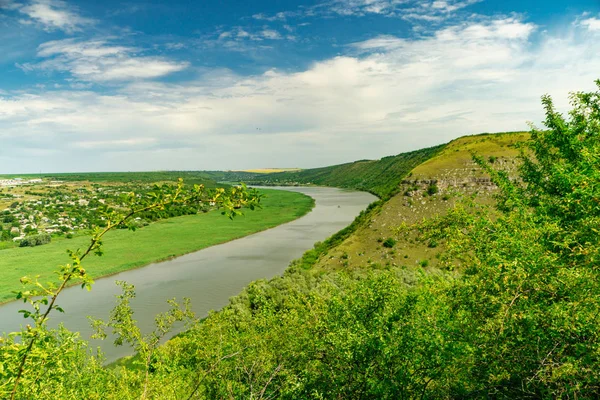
295,212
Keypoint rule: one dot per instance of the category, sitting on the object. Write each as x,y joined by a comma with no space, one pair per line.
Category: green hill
380,177
430,189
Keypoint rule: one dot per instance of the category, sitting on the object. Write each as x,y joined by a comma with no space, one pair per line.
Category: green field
160,240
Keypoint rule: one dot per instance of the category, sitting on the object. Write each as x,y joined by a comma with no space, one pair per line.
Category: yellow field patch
270,170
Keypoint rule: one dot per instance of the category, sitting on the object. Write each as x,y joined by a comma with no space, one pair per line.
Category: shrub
389,243
35,240
432,189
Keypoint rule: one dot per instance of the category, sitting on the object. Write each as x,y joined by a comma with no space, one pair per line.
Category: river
209,277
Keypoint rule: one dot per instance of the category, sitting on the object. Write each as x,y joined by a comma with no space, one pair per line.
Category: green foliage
381,177
389,243
432,189
527,305
27,358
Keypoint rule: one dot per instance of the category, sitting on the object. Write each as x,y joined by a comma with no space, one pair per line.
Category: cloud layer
99,61
423,10
386,95
50,15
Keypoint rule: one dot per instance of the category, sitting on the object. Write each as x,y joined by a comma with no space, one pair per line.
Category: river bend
209,277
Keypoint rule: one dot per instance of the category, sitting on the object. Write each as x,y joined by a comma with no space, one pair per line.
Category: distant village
50,208
18,182
32,211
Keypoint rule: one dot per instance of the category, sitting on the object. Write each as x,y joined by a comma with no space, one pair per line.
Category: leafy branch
161,198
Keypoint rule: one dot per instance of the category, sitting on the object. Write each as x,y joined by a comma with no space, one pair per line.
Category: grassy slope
158,241
455,159
380,177
455,174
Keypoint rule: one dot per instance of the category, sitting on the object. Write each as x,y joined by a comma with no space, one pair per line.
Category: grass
456,156
158,241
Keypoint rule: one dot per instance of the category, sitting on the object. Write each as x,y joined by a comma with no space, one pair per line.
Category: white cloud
243,39
397,95
99,61
450,6
54,14
416,10
175,46
9,5
270,34
280,16
121,144
592,24
383,42
419,10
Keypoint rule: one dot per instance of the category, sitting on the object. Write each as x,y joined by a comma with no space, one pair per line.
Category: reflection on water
208,277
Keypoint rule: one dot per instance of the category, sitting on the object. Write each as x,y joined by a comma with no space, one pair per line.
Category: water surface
208,277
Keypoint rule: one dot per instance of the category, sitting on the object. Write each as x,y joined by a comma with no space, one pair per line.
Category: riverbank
209,277
156,242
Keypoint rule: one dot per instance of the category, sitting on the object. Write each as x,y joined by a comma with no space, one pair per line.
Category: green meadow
158,241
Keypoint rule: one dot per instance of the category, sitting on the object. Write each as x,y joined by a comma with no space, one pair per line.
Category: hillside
380,177
430,189
454,164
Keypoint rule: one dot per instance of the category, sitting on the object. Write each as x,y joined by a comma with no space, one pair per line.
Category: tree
527,306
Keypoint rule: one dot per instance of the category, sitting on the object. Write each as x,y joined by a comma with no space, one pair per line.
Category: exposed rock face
456,182
468,176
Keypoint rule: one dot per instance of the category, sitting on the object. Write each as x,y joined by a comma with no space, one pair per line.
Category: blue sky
157,85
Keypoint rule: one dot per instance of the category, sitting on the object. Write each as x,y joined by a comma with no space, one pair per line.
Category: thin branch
199,382
262,392
66,279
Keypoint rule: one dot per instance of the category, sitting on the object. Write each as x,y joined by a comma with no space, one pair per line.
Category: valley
390,291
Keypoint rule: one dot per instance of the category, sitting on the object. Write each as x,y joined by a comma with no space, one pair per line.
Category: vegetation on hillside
521,320
428,191
380,177
455,160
